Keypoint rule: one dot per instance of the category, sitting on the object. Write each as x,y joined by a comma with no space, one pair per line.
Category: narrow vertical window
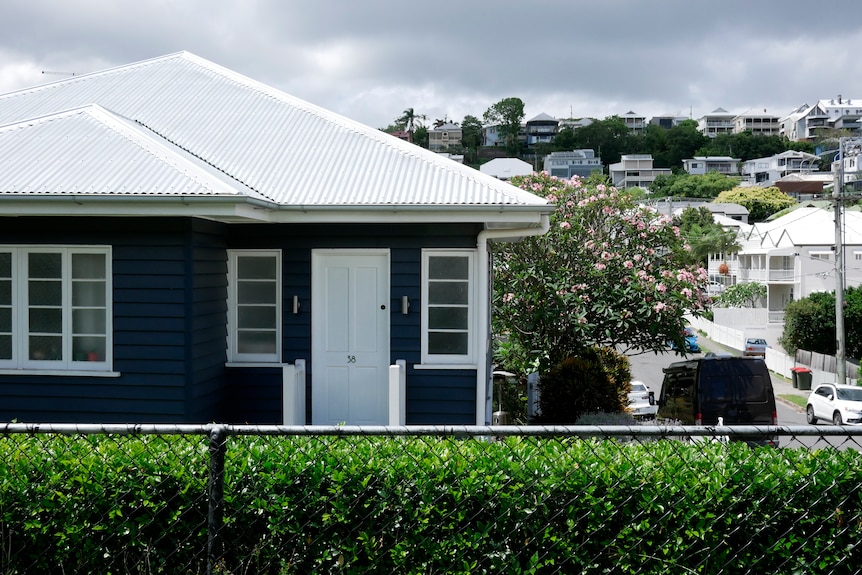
448,306
255,306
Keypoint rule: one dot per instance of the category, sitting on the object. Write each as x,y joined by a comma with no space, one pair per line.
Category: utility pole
837,185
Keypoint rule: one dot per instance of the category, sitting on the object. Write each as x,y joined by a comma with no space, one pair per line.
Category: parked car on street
735,390
641,401
690,338
755,346
840,404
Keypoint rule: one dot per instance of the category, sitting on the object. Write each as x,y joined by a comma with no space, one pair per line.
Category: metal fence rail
453,499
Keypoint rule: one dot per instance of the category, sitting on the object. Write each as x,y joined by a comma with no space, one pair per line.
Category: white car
642,401
840,404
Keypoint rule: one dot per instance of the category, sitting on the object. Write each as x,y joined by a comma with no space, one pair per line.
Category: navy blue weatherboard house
180,243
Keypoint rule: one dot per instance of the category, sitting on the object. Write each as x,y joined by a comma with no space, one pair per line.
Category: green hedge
428,505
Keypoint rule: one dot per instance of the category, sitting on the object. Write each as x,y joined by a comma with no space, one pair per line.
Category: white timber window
254,306
55,308
448,307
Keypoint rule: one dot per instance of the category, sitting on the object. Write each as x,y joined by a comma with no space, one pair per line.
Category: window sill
255,364
60,372
445,366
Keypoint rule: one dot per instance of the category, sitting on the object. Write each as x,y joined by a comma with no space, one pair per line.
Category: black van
736,389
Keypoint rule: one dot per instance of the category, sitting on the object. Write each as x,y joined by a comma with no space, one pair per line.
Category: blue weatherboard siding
455,400
169,306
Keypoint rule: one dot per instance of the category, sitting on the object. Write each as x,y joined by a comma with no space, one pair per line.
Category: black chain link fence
239,499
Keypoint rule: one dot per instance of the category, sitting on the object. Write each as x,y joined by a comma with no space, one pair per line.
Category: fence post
215,514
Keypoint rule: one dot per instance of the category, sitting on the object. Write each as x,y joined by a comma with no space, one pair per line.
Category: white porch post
293,393
398,392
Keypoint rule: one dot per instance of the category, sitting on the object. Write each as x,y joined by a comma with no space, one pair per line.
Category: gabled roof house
180,243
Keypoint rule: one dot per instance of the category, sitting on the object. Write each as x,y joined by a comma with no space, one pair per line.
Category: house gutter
484,381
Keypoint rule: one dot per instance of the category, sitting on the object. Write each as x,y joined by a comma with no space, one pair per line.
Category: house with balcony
719,121
793,256
805,123
702,165
580,163
541,130
634,122
759,124
635,171
766,172
445,137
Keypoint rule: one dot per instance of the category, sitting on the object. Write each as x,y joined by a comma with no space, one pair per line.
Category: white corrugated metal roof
180,125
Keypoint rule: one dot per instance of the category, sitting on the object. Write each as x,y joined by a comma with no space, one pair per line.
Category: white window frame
821,255
234,356
467,360
20,313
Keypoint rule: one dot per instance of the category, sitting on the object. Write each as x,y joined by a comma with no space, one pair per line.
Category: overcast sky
371,59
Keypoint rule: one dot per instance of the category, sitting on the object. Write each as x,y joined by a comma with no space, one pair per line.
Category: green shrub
596,381
428,505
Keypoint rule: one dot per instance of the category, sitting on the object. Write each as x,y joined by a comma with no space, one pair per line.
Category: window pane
88,321
447,293
448,318
5,292
256,317
88,266
255,292
5,347
88,294
45,265
5,264
256,267
256,342
88,348
5,319
447,343
453,267
46,347
45,292
44,320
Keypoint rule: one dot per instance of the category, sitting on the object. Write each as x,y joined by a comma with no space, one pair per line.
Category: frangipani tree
608,273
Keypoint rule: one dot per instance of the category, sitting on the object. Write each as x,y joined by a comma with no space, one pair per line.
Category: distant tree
420,137
746,294
471,139
760,202
609,139
410,121
683,185
698,228
565,141
809,324
655,142
683,140
507,115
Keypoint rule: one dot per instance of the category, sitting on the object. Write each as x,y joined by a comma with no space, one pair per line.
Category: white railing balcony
782,275
776,316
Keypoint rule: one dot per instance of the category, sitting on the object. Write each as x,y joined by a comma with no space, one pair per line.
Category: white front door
350,337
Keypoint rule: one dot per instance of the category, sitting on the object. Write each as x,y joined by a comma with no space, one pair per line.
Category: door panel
350,337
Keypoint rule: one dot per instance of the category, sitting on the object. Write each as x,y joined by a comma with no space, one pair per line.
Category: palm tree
410,119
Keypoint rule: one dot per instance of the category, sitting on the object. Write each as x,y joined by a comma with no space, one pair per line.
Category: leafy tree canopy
741,295
760,202
698,228
507,115
809,324
608,273
471,138
683,185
